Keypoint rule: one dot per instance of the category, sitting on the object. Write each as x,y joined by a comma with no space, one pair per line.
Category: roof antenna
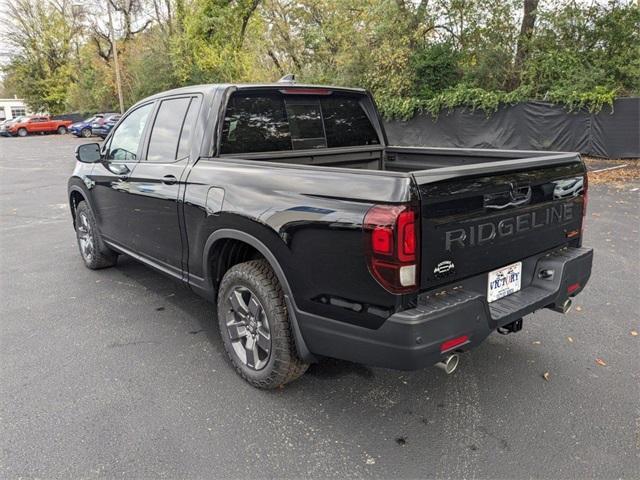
288,78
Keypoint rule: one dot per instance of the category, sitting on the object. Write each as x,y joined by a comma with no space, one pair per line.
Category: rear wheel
22,132
94,252
255,328
62,130
85,132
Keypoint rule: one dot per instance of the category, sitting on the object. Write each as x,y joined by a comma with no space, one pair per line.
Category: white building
12,108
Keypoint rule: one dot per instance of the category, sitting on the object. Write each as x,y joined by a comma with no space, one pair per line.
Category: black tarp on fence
610,133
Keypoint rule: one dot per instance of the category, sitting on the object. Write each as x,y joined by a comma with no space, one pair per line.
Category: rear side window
165,134
267,122
188,127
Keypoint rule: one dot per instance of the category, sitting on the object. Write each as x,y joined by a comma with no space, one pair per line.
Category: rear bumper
411,339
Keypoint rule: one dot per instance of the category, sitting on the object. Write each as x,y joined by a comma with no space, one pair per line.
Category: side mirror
88,153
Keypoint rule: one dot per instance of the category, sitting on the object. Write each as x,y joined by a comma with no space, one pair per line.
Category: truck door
110,179
48,125
153,206
36,124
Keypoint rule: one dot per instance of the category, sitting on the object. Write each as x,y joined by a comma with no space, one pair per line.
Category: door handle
169,180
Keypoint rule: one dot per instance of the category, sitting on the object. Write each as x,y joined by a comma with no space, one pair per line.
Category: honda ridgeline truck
285,205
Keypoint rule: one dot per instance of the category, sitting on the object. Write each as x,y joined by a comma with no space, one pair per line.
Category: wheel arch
76,195
213,245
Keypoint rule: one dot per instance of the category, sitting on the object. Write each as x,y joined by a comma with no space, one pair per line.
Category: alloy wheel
248,328
85,237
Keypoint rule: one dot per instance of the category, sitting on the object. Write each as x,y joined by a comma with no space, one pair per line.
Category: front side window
126,139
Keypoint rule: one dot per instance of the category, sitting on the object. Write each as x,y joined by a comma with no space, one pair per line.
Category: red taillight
382,240
392,246
453,343
572,288
407,236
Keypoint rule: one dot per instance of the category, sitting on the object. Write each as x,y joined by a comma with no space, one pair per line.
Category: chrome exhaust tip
564,308
449,364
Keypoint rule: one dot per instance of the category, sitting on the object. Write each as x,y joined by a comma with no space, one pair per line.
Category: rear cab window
274,122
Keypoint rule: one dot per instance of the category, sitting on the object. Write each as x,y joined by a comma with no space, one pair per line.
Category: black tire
62,130
22,132
93,251
85,132
282,364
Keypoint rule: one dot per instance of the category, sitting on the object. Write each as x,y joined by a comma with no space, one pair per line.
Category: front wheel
62,130
85,132
255,328
94,252
22,132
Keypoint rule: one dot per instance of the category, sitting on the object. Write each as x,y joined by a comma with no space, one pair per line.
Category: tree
42,34
526,32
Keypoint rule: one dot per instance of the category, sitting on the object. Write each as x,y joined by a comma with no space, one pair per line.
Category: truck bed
422,162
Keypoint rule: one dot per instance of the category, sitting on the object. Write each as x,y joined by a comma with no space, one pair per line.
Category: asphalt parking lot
120,373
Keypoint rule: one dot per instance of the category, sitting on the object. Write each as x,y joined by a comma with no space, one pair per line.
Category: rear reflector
453,343
573,287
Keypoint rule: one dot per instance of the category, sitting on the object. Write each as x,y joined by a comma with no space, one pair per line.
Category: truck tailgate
486,220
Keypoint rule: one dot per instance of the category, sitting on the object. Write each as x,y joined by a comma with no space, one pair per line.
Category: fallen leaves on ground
546,376
578,308
570,339
616,177
634,333
601,362
537,342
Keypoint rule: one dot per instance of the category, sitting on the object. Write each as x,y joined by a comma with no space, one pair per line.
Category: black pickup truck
285,205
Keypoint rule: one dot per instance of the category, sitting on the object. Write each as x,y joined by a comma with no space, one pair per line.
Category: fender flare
76,188
229,233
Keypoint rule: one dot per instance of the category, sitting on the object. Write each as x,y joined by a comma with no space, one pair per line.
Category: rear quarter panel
310,218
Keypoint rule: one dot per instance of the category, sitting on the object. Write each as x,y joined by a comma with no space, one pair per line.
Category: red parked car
38,124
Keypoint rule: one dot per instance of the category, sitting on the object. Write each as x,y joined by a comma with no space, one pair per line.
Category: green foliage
413,56
583,56
93,89
435,68
41,69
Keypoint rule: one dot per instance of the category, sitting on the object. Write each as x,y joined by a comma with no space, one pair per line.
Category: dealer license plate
504,281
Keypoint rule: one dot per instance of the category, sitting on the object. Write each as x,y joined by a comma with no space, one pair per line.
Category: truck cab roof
212,88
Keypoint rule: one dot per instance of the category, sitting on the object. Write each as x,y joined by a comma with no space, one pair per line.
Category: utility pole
115,57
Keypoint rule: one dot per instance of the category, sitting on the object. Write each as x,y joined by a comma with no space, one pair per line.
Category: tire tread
287,365
103,256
